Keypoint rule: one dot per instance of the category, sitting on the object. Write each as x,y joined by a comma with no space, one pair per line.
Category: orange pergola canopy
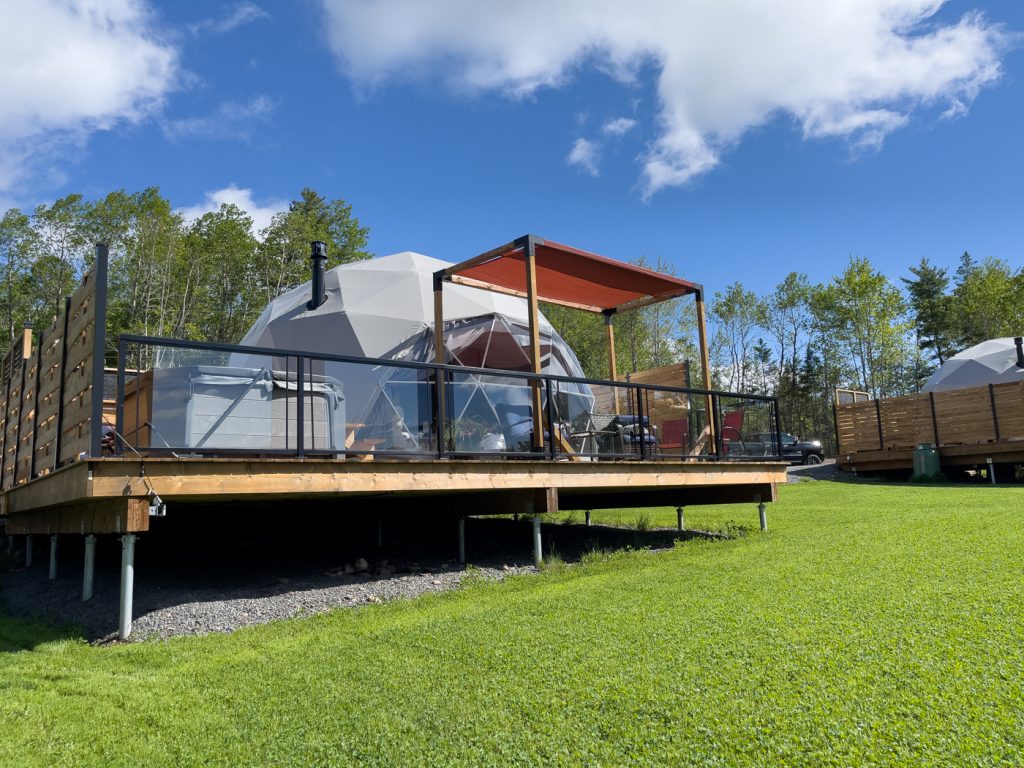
569,277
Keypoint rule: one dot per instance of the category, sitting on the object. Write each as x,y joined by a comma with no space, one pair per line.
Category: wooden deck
112,495
967,426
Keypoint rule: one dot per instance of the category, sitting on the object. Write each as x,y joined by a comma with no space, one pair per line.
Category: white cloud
242,14
231,120
260,213
620,126
848,69
69,68
585,155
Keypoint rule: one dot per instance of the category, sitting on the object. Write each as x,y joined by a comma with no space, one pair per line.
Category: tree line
206,279
209,278
800,341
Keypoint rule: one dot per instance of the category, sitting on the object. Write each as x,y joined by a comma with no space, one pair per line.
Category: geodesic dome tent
990,362
383,308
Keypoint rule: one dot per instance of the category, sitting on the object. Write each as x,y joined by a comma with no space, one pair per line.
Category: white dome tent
996,361
383,308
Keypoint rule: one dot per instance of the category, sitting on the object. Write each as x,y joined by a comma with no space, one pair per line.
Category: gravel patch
827,470
164,610
196,585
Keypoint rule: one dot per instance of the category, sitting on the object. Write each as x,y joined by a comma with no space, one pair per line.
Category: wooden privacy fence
982,415
51,394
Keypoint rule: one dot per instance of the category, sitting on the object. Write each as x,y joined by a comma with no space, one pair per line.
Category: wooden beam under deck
112,492
968,455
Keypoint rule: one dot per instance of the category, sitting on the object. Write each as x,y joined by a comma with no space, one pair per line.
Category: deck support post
763,515
991,471
28,551
89,569
586,518
680,521
53,557
538,556
127,585
462,539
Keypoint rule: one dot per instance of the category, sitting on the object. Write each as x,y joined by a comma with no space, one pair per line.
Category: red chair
675,435
732,430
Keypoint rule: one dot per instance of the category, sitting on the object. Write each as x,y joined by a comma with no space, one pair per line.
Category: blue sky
443,150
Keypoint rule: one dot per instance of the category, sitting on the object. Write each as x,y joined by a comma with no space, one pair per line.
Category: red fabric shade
570,276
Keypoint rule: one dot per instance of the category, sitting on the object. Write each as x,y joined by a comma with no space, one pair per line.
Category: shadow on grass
18,634
268,563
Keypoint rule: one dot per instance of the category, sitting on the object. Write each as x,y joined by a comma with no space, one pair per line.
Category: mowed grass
874,625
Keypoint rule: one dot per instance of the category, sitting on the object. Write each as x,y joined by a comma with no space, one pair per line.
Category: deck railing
185,398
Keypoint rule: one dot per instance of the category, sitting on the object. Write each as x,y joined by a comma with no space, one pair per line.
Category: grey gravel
163,611
827,470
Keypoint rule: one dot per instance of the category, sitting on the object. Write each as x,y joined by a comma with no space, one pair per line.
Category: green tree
221,244
735,312
62,241
932,309
864,314
18,247
987,301
284,250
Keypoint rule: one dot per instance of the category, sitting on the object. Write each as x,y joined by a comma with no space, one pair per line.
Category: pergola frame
604,275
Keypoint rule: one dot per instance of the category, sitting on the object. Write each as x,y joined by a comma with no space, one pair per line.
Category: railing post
439,414
778,428
300,410
640,423
551,418
122,353
716,422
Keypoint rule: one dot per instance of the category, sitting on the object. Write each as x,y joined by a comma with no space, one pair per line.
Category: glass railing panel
598,420
491,413
678,423
747,428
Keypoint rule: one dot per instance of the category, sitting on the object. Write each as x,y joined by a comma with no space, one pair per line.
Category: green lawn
874,625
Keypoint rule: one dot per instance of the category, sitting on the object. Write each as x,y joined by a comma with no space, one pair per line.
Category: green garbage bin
926,461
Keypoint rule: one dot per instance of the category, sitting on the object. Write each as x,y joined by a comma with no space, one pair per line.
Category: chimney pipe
1019,343
318,256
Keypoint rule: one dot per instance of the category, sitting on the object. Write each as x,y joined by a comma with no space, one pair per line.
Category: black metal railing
178,397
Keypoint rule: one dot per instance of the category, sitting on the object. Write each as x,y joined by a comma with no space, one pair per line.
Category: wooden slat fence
50,414
973,415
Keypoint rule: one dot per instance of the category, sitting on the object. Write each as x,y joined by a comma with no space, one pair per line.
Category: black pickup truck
795,450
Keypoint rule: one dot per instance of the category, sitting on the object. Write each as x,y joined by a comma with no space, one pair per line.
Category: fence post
995,415
935,421
59,439
35,406
99,349
878,415
21,416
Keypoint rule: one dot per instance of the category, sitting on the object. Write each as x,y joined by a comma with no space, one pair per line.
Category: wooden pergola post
609,332
533,314
705,360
